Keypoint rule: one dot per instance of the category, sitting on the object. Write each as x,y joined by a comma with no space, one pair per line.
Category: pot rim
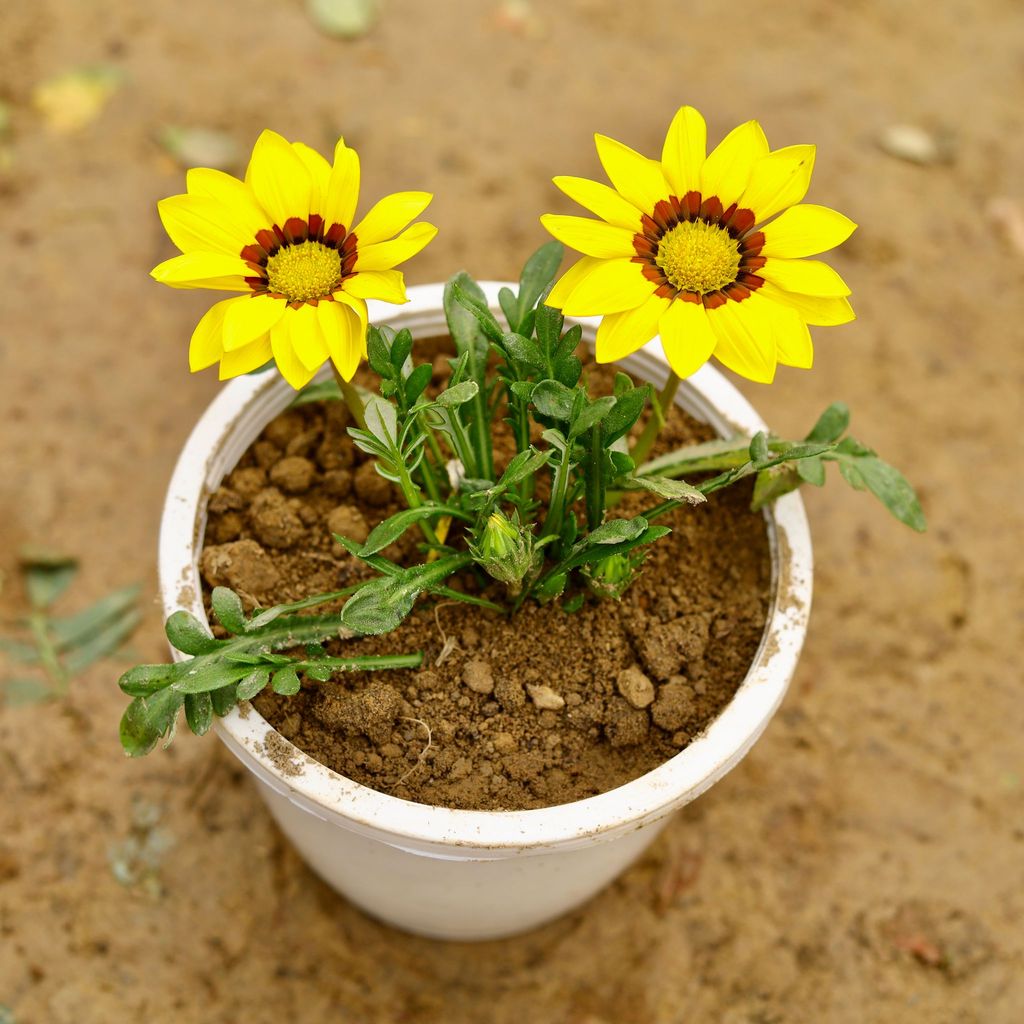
428,829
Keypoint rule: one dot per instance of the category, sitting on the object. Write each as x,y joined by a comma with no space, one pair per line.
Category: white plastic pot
457,874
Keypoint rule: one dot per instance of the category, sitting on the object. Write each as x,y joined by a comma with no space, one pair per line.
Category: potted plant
602,670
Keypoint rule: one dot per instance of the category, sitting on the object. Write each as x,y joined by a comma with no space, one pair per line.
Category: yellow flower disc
309,270
699,257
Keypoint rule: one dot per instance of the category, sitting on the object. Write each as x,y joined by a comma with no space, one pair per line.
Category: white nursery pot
458,874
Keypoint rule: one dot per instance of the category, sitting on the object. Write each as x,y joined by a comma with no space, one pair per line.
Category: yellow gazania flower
284,237
683,250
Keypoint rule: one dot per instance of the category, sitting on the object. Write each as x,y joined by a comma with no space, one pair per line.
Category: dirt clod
477,676
371,487
293,474
635,687
349,522
242,565
274,522
674,706
667,647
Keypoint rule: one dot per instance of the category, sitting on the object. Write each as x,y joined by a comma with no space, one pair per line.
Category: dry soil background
865,862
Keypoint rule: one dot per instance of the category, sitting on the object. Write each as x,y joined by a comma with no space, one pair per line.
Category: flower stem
350,394
659,410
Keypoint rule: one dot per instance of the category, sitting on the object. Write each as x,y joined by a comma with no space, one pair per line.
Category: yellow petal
388,285
358,326
249,319
793,345
808,277
612,287
390,215
745,340
284,355
592,237
319,174
200,224
385,255
307,338
206,347
636,177
245,360
621,334
340,327
600,199
779,180
805,230
728,168
682,156
686,336
203,270
342,188
568,281
813,309
279,179
234,195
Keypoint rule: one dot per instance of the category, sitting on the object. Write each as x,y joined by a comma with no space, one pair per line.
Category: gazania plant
707,251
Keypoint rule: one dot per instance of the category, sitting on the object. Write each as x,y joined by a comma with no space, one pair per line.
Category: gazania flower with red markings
687,248
285,239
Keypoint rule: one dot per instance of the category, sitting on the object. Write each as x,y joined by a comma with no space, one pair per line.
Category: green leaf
401,348
590,415
573,604
227,606
147,719
199,712
47,580
615,531
381,419
673,490
831,425
458,395
812,471
144,680
286,682
103,643
22,691
553,400
772,484
628,407
224,700
522,465
523,350
537,276
320,391
202,676
74,629
891,488
188,635
552,587
507,301
759,449
19,650
253,683
394,526
417,382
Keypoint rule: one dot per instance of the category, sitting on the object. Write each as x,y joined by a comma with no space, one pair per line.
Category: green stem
595,485
659,411
363,663
556,504
350,394
414,499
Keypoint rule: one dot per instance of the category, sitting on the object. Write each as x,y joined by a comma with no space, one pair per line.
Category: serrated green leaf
227,606
286,682
198,712
188,635
253,683
831,425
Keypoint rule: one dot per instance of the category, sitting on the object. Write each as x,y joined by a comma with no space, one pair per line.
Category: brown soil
505,714
864,862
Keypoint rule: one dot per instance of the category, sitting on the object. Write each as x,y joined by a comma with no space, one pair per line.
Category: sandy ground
865,862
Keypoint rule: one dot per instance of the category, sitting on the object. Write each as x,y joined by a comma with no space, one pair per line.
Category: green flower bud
612,575
503,548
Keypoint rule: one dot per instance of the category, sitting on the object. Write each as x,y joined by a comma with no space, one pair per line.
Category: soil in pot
505,714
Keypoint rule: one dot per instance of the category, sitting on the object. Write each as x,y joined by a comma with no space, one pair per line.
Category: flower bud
503,548
612,575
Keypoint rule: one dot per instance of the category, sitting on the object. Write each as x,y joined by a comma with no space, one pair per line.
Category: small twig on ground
423,752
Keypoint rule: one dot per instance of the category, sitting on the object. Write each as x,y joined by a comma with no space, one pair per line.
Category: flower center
309,270
696,256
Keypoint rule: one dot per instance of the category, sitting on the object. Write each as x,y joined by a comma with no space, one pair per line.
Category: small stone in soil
626,726
545,698
478,677
371,486
635,687
242,565
674,706
293,474
348,521
275,523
